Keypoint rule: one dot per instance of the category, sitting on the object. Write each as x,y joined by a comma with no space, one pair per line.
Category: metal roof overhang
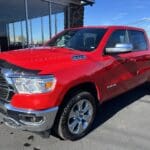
87,2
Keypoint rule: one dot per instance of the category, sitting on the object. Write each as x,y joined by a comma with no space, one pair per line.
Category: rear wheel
77,116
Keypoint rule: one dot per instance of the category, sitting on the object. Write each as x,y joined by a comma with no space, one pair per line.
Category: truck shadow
110,108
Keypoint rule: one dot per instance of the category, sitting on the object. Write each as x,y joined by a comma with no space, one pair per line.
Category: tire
76,116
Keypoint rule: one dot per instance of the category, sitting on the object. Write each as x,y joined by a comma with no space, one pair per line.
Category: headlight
34,84
26,83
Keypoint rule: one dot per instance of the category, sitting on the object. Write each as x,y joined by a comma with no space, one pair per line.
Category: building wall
74,16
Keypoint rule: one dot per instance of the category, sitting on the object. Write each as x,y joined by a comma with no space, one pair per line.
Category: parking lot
121,124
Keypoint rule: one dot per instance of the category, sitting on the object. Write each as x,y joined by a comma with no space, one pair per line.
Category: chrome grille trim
6,90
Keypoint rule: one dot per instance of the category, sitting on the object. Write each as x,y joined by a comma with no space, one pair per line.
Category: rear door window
137,38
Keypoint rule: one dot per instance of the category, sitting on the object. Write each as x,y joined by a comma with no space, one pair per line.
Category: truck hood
38,58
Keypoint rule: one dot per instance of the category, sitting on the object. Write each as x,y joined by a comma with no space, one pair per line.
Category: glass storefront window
11,33
34,30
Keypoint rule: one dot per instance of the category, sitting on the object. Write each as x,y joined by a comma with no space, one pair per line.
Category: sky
119,12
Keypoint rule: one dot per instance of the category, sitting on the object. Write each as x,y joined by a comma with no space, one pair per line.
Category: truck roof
112,27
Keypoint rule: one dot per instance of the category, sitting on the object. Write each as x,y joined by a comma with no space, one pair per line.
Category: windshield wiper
66,47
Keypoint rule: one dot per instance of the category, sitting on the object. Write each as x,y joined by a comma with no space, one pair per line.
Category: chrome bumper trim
10,116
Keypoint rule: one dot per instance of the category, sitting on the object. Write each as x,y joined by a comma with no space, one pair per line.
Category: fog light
29,119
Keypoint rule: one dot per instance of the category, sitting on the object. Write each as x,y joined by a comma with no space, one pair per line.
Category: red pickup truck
61,84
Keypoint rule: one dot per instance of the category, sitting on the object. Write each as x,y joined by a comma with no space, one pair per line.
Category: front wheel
77,116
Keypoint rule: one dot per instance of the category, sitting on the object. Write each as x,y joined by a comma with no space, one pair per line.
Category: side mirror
120,48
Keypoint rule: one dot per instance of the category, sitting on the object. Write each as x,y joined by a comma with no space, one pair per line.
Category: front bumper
36,121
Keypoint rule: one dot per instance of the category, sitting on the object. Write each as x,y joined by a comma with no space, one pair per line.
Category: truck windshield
78,39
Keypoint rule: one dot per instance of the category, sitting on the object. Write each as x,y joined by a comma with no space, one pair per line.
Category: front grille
6,91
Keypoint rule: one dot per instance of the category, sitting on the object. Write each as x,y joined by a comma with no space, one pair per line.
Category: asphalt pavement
121,124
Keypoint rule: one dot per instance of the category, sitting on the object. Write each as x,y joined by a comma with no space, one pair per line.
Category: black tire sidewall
63,130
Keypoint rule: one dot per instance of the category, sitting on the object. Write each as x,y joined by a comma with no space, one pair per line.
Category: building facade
25,23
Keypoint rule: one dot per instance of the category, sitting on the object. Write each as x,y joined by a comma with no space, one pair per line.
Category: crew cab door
121,68
140,53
